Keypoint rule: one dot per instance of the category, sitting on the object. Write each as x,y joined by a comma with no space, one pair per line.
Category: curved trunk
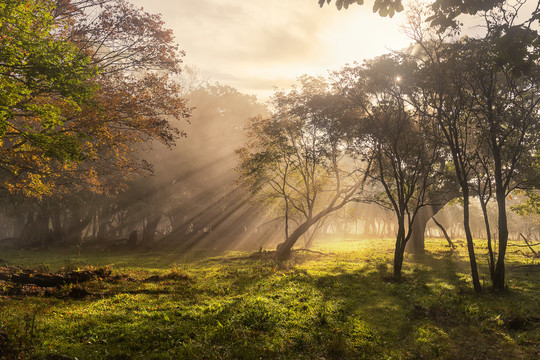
416,243
283,250
439,225
439,199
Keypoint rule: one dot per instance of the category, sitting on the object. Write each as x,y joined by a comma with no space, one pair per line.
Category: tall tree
506,107
396,137
299,156
43,81
135,101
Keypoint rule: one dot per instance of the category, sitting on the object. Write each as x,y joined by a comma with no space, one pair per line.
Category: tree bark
283,250
149,232
439,199
470,244
399,250
416,245
439,225
499,275
491,258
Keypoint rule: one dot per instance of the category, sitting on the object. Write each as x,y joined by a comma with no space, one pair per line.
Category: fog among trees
109,143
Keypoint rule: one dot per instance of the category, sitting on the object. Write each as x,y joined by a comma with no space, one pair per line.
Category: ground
340,304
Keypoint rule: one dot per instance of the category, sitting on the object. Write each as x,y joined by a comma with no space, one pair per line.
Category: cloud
255,45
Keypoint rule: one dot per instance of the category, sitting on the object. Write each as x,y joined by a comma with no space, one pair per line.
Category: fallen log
30,277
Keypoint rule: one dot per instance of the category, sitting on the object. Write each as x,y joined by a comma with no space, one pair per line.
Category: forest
387,210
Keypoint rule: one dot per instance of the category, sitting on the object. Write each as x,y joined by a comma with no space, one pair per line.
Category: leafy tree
506,106
396,136
298,157
139,95
133,100
486,105
43,81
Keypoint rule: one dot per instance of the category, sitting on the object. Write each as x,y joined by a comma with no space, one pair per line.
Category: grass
338,305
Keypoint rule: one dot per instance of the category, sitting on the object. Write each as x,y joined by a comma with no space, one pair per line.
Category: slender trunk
528,244
470,244
286,219
399,250
313,234
439,225
283,250
499,275
398,262
491,260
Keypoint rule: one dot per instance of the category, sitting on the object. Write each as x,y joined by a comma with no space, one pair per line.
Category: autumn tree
44,80
135,101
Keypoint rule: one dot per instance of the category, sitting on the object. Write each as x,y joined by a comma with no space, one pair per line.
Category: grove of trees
93,100
450,116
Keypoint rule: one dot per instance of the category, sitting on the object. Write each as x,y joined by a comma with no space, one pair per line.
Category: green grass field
340,304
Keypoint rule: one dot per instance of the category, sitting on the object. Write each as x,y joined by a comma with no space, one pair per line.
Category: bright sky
256,45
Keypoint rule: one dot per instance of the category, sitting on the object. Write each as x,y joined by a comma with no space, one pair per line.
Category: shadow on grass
314,307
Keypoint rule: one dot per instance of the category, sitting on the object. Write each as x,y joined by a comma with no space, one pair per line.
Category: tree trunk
398,262
470,244
499,275
439,225
491,258
399,250
416,245
283,250
77,223
149,232
440,198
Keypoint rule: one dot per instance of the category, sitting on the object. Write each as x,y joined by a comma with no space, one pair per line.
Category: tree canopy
85,84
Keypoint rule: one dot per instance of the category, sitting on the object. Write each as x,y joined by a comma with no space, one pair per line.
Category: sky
256,46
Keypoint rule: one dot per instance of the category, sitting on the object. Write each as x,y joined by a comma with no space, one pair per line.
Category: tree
395,136
443,96
486,103
135,101
445,13
298,157
139,97
506,107
43,81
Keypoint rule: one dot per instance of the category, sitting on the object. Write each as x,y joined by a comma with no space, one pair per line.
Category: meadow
338,303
